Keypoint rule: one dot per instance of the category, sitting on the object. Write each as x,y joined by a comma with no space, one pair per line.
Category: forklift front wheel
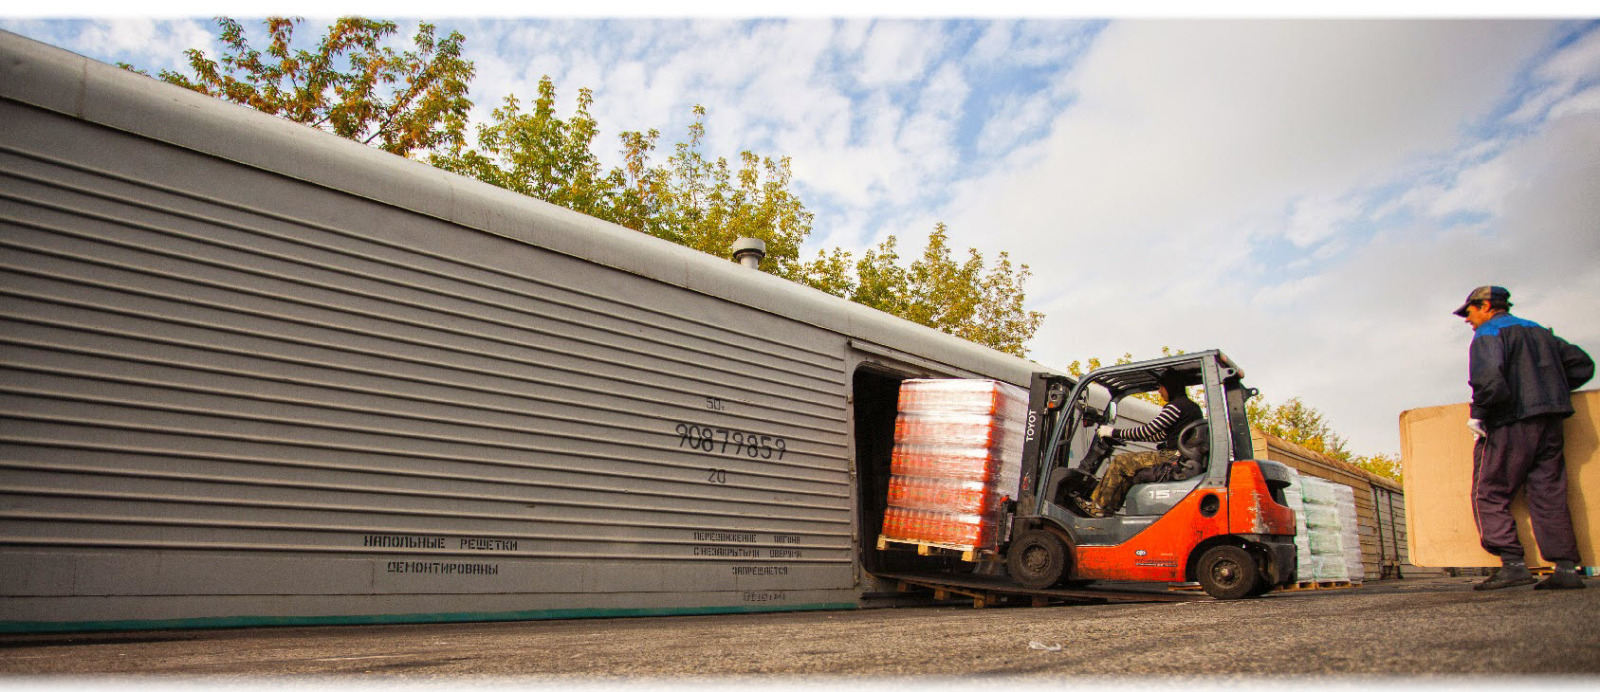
1228,572
1037,559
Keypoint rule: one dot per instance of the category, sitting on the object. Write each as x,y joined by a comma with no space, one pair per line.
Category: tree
1298,423
707,204
958,298
349,84
1081,368
1305,426
538,154
691,199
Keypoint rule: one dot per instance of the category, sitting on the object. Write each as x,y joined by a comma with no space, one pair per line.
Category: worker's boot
1511,573
1565,576
1090,508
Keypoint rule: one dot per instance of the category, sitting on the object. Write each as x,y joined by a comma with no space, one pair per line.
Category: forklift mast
1046,396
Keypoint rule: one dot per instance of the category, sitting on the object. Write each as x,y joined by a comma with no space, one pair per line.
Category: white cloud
898,52
1188,139
1315,219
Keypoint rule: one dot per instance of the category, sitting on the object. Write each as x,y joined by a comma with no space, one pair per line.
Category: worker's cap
1482,293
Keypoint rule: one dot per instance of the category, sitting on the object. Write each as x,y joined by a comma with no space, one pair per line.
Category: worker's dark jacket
1519,370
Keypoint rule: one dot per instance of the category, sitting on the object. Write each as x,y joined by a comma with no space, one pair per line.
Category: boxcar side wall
236,390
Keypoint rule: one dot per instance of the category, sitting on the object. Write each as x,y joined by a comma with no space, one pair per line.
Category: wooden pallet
942,592
936,549
1297,586
1312,585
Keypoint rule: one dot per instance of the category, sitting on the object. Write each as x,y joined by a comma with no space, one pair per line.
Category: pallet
943,592
1312,585
1308,585
991,591
937,549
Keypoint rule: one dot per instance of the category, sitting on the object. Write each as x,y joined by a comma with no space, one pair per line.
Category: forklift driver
1163,464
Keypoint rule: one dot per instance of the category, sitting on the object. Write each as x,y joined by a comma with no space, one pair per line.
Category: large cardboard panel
1436,453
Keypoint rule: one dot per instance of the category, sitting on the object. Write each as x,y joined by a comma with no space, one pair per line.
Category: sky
1313,196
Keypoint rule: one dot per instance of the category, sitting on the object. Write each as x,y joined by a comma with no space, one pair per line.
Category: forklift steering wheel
1194,440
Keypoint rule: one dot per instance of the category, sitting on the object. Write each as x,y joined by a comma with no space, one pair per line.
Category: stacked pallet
1294,497
1334,538
1349,532
957,459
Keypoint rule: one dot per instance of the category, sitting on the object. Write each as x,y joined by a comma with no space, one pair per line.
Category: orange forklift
1227,528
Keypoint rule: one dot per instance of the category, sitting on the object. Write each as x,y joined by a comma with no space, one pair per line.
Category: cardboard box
1436,458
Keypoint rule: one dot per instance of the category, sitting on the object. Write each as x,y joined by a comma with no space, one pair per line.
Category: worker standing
1522,376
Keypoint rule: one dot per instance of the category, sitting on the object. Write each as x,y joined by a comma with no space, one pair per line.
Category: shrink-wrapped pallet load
1350,532
957,459
1294,498
1327,537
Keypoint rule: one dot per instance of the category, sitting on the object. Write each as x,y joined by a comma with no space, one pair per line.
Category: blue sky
1312,196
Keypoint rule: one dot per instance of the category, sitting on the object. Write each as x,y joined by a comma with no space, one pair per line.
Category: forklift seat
1156,498
1144,499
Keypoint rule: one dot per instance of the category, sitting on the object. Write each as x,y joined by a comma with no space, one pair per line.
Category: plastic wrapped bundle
1294,498
937,527
1350,530
1327,535
1327,543
1328,567
1318,491
1322,516
917,492
957,458
983,397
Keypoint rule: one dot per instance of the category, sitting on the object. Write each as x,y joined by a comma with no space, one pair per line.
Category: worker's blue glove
1477,427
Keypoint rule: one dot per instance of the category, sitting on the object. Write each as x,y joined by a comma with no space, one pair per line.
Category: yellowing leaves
349,83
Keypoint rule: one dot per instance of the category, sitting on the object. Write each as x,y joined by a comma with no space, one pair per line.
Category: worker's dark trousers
1527,453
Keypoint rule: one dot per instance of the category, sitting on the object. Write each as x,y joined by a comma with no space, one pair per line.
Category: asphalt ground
1434,630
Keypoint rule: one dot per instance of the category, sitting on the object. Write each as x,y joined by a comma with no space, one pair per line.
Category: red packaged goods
925,429
916,492
971,463
984,397
956,461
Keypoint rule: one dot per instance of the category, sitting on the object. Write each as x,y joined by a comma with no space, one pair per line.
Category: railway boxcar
252,373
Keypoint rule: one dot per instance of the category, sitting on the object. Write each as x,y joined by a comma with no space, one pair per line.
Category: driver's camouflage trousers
1126,469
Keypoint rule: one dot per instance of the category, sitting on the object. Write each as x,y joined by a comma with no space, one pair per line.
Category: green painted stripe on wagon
30,627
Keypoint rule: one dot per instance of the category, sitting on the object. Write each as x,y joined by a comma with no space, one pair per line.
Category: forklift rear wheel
1228,572
1037,559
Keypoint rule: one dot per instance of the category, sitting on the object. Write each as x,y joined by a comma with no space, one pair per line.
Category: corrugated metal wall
265,397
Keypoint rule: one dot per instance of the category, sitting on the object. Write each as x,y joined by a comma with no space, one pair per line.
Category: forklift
1227,528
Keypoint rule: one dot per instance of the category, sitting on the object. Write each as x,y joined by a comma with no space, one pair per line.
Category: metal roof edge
1328,462
55,79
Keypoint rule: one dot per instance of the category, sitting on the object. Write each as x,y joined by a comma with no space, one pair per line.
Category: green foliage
1086,366
707,204
410,102
537,154
1304,425
960,298
1381,464
349,84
